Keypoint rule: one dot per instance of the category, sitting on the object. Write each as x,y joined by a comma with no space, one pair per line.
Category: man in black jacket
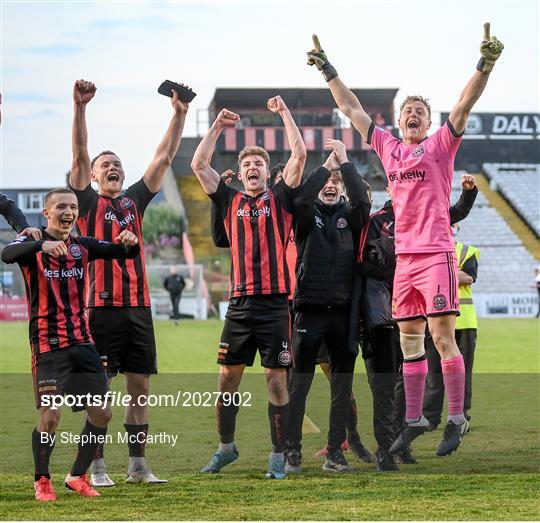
174,283
326,229
381,347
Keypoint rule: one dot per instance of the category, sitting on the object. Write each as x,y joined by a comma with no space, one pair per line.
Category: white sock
226,448
136,464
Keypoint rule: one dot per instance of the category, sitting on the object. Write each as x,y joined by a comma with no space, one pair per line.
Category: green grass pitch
493,476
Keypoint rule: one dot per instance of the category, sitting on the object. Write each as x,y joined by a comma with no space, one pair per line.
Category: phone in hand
184,94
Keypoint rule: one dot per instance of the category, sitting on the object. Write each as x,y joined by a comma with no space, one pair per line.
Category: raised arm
207,176
490,50
346,100
461,209
16,219
166,151
294,168
80,176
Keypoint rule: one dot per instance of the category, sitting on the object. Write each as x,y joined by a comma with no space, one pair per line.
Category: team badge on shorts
75,251
126,202
341,223
439,302
284,357
418,151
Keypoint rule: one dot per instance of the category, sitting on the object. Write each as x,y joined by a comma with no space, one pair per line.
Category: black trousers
434,393
385,380
311,327
175,300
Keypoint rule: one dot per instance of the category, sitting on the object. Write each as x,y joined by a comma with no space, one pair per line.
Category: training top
55,287
420,176
115,283
12,213
258,229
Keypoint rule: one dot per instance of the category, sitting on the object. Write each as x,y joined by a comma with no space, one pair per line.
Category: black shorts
75,370
322,355
124,338
256,322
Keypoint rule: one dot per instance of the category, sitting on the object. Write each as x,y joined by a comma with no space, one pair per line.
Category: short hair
102,153
416,98
60,190
255,151
274,171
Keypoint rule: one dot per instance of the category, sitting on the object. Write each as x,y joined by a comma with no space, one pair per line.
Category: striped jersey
258,229
115,283
55,287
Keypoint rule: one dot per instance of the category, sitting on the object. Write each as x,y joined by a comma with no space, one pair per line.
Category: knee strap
412,345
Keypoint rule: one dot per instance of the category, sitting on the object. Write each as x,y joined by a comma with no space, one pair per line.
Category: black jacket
174,283
377,263
327,239
12,214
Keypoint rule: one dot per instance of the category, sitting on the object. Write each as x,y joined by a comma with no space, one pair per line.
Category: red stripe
248,249
230,139
43,306
280,255
270,138
266,285
327,134
348,139
234,235
250,136
309,138
75,308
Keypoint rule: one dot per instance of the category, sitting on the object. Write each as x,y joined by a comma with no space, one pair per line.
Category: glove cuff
329,71
485,66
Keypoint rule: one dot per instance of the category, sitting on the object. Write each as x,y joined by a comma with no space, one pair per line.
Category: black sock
352,423
136,439
42,454
87,449
99,451
226,414
278,416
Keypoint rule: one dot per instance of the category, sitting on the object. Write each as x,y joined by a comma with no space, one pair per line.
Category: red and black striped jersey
115,283
55,287
258,229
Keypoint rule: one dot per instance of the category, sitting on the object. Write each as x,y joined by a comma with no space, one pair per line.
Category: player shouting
258,223
64,358
120,314
419,170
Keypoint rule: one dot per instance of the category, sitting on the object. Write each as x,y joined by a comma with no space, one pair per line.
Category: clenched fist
83,91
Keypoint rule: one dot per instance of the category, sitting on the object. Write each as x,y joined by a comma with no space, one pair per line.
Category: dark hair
274,171
102,153
60,190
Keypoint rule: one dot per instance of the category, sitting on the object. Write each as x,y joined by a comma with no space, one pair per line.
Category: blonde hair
256,151
416,98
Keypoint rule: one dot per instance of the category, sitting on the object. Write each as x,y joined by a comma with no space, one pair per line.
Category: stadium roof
295,97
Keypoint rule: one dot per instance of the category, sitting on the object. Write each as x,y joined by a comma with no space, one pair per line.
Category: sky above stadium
127,48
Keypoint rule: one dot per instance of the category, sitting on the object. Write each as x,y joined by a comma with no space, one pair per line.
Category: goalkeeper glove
490,49
318,58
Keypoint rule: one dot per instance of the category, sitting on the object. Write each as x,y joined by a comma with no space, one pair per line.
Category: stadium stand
519,184
506,265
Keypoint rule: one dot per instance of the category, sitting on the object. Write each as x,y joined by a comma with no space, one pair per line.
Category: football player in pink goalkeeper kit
420,171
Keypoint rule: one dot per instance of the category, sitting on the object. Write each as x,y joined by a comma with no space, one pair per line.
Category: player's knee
276,383
412,345
138,385
444,342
